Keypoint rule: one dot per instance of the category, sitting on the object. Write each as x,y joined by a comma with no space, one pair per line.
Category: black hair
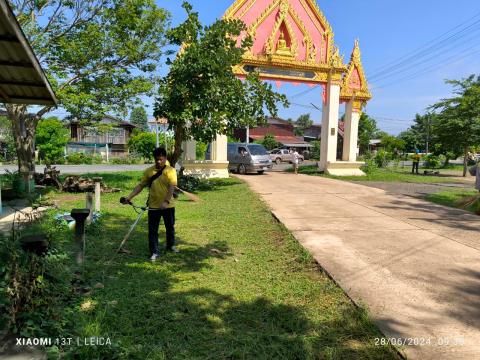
159,152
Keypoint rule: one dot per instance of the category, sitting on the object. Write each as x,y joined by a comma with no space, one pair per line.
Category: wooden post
98,191
89,206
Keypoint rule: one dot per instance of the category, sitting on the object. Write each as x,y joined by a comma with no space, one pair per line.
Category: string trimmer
140,210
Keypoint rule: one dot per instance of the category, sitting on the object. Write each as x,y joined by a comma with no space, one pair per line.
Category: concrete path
415,265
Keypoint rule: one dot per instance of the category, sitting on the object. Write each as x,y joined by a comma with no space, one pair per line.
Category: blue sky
387,30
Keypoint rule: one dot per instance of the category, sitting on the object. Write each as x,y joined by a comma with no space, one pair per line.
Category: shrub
370,166
201,150
128,160
315,151
33,289
79,158
143,144
382,158
432,161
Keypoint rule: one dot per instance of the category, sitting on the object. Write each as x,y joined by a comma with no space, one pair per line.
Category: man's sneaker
154,257
173,249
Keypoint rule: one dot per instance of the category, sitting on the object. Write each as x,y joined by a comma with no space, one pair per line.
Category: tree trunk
447,161
465,161
177,150
23,130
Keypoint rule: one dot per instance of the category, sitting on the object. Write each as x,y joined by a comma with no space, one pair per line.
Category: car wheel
260,172
242,169
278,161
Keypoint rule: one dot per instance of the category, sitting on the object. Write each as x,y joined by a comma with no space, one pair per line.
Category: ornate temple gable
354,83
292,40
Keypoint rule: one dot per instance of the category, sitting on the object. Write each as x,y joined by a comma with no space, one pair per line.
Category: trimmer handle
124,201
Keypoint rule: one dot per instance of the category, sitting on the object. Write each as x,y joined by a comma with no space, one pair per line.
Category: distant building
162,125
88,139
282,130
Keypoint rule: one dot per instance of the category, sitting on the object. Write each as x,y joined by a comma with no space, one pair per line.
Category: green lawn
452,197
390,175
241,288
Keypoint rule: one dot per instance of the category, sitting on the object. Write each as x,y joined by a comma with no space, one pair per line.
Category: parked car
245,158
283,155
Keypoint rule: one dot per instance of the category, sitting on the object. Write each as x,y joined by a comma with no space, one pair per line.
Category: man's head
160,157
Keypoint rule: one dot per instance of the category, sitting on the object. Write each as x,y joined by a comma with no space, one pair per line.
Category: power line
429,45
303,92
434,56
430,68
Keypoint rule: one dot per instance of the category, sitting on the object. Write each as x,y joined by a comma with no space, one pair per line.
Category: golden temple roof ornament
292,41
354,83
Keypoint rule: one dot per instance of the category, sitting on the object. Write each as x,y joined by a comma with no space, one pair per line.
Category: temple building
294,43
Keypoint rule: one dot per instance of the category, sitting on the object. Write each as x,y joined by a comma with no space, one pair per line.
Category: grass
452,197
389,175
241,288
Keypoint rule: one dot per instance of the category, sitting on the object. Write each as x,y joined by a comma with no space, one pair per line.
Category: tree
99,55
143,144
200,96
51,138
458,122
269,142
419,136
139,118
367,130
392,144
303,122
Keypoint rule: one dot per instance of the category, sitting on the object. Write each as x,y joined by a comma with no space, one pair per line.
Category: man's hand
125,200
164,204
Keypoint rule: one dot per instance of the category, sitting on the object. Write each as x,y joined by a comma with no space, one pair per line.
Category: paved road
82,169
415,265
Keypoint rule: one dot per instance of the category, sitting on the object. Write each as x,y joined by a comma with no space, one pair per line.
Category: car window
242,150
257,149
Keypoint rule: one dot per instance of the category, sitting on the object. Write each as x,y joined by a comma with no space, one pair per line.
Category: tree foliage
99,55
139,118
457,126
143,143
8,152
367,130
269,142
52,136
303,122
420,133
201,96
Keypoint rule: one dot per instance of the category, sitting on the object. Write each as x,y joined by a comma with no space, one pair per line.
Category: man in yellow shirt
161,179
416,162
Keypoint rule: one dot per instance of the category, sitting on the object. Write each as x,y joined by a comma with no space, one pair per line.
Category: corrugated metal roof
22,80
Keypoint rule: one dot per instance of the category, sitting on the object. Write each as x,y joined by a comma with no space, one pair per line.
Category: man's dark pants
415,167
153,224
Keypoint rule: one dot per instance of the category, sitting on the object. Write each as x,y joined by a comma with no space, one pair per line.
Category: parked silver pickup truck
283,155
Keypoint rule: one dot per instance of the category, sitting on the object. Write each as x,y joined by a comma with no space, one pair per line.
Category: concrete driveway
415,265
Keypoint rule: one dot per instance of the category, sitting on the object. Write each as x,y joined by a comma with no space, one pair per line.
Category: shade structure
22,80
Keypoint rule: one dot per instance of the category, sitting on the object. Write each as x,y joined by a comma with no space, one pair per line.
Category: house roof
22,80
284,140
313,131
271,129
108,118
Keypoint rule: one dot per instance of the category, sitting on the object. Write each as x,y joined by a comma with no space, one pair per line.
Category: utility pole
428,134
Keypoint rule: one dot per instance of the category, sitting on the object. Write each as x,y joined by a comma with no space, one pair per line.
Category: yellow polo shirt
159,188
